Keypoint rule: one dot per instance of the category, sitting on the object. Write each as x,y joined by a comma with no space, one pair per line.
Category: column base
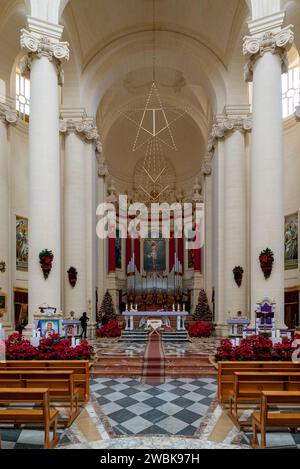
222,330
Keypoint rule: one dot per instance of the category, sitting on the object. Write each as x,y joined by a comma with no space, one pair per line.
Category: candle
73,342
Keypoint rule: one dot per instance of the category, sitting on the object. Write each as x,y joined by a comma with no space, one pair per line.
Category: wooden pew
81,369
226,372
15,398
248,386
265,419
60,384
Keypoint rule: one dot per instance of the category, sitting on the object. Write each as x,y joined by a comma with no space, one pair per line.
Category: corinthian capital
8,115
225,125
43,46
274,42
102,167
206,168
86,128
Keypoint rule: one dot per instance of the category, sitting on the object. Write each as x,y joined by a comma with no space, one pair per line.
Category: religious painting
118,250
154,255
291,241
48,327
22,244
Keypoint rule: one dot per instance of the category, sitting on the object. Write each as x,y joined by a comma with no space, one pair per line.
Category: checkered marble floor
176,407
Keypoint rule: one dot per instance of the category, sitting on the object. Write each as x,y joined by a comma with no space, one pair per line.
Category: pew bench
60,384
15,398
266,418
248,386
80,368
226,371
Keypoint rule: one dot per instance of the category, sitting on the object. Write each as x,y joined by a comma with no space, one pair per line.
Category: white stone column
236,123
217,150
266,52
43,61
74,219
101,197
207,262
7,117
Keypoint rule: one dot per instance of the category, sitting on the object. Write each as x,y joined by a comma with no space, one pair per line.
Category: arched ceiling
212,23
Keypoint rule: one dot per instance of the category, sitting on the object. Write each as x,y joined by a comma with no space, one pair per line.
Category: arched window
290,91
22,96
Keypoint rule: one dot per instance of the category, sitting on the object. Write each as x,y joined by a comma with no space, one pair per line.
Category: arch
107,66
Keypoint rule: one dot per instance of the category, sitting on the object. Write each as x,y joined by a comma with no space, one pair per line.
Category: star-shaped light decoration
154,123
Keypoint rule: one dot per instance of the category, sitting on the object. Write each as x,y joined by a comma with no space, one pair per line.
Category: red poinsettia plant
52,348
266,259
72,276
200,329
255,348
111,329
46,259
238,273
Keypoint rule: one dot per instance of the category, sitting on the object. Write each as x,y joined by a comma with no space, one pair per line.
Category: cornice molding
271,41
43,46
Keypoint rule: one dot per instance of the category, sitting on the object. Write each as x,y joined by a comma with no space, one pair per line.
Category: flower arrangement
53,348
46,259
111,329
200,329
266,259
238,273
255,348
72,276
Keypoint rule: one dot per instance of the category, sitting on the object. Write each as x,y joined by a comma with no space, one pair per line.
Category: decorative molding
274,42
102,167
225,125
206,168
43,46
8,115
85,127
297,113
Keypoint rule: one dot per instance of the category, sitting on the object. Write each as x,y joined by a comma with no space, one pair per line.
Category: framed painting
22,244
48,327
154,255
291,241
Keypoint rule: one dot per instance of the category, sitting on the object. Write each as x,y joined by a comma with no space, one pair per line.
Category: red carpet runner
154,361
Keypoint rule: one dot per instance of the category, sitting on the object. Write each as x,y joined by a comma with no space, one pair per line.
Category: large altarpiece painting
154,255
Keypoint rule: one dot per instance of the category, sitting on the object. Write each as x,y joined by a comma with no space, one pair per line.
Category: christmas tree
107,311
202,311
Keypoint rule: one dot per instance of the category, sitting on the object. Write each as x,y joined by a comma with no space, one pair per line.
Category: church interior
149,201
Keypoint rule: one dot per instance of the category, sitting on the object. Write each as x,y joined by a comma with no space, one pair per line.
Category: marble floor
194,347
124,413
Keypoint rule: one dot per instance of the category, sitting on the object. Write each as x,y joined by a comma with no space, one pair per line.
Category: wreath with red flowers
72,275
46,259
266,259
238,273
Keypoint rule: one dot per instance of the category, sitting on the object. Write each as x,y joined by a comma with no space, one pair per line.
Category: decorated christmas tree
202,311
107,311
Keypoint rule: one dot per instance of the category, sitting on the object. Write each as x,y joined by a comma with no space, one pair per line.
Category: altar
180,315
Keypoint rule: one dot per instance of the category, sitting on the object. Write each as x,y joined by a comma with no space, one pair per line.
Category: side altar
179,315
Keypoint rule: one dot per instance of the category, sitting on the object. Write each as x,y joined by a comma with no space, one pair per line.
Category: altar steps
188,367
142,337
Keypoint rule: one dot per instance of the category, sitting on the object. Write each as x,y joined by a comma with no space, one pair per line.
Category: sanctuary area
149,203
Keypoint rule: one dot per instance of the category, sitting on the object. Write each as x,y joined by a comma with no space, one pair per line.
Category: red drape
137,254
171,253
197,260
180,254
111,254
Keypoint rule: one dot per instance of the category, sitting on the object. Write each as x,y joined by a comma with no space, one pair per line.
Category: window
22,96
290,91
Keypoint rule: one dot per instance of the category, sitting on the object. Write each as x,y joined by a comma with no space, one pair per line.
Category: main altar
179,315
